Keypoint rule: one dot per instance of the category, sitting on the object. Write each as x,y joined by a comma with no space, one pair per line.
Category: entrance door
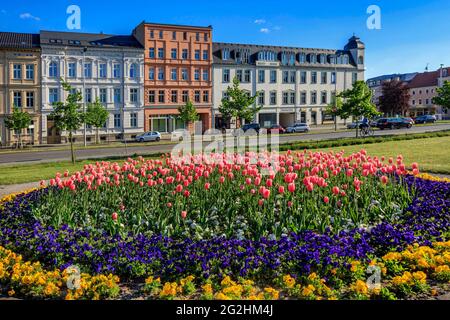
53,134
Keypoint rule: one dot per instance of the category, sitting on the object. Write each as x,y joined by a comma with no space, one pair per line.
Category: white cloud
29,16
264,30
260,21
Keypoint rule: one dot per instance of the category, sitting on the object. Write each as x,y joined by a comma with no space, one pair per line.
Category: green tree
443,96
18,121
239,103
357,103
188,113
68,115
96,116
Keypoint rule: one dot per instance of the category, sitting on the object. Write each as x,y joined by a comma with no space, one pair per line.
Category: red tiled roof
426,79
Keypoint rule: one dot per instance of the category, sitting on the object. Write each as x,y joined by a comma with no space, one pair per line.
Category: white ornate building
295,84
107,67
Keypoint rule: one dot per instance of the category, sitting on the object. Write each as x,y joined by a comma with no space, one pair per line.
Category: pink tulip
222,180
260,202
289,204
281,190
310,187
266,193
384,180
207,186
336,191
115,216
326,200
291,187
183,214
269,183
416,172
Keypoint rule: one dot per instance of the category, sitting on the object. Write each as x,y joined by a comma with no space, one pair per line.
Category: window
261,98
205,37
414,102
226,54
285,76
152,34
323,97
103,95
323,78
173,54
247,76
133,95
17,99
354,77
133,120
72,70
197,96
102,70
345,59
161,34
313,97
160,74
427,101
322,59
197,55
133,71
205,55
313,77
174,96
184,54
205,75
333,77
273,76
197,36
225,96
292,77
88,95
261,76
117,95
273,97
185,96
151,96
88,70
266,56
302,57
184,74
17,71
285,97
205,96
312,58
197,75
53,70
226,75
30,131
30,99
160,53
420,101
173,74
151,74
303,77
185,36
332,59
161,96
174,35
116,70
360,60
239,75
303,97
151,53
53,95
292,97
29,72
117,120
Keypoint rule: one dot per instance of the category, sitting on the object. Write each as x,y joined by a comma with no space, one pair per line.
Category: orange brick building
178,68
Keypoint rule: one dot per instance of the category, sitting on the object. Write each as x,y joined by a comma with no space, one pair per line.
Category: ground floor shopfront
439,112
165,120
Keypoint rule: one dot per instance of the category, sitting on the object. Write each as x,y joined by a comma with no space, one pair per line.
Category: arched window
53,70
133,71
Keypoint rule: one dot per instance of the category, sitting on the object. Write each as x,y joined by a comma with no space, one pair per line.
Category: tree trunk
97,136
72,151
19,141
357,131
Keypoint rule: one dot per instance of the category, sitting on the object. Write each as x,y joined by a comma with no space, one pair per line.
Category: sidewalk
6,190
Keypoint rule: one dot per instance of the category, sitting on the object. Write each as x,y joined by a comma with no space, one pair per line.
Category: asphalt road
61,155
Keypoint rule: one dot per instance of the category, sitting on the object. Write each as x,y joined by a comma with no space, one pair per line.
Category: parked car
298,127
180,135
374,121
353,125
251,128
426,119
393,123
409,120
276,128
149,136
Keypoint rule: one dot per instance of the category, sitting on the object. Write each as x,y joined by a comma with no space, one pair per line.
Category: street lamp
335,98
84,93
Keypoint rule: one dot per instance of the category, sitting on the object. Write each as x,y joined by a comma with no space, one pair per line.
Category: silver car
149,136
298,127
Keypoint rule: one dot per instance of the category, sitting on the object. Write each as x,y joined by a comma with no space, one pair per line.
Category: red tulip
266,193
280,189
269,183
115,216
183,214
207,186
289,204
384,180
310,187
416,172
179,188
326,200
261,202
169,205
291,187
222,180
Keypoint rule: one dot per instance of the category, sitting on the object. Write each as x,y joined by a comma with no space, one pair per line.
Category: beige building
20,84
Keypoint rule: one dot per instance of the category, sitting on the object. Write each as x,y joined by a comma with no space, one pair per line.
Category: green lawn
432,154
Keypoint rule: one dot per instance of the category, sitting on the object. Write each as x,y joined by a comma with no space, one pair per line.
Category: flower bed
382,210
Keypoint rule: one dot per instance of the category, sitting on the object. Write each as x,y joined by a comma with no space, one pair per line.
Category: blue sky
413,33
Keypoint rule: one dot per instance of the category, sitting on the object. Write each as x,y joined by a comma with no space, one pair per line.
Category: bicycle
367,131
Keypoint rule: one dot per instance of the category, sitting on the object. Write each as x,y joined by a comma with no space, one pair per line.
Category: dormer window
322,59
288,58
226,54
74,42
266,56
242,55
59,41
333,59
312,58
360,60
445,73
345,59
302,57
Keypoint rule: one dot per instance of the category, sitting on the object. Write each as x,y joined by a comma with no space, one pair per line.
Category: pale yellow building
20,76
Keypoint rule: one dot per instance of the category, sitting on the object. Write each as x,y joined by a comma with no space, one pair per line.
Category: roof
405,77
355,43
255,48
97,40
13,40
427,79
182,26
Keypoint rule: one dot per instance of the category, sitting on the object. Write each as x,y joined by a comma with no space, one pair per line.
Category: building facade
376,84
422,91
109,68
178,69
293,84
20,84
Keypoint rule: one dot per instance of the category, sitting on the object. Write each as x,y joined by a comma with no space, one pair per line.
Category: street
25,157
